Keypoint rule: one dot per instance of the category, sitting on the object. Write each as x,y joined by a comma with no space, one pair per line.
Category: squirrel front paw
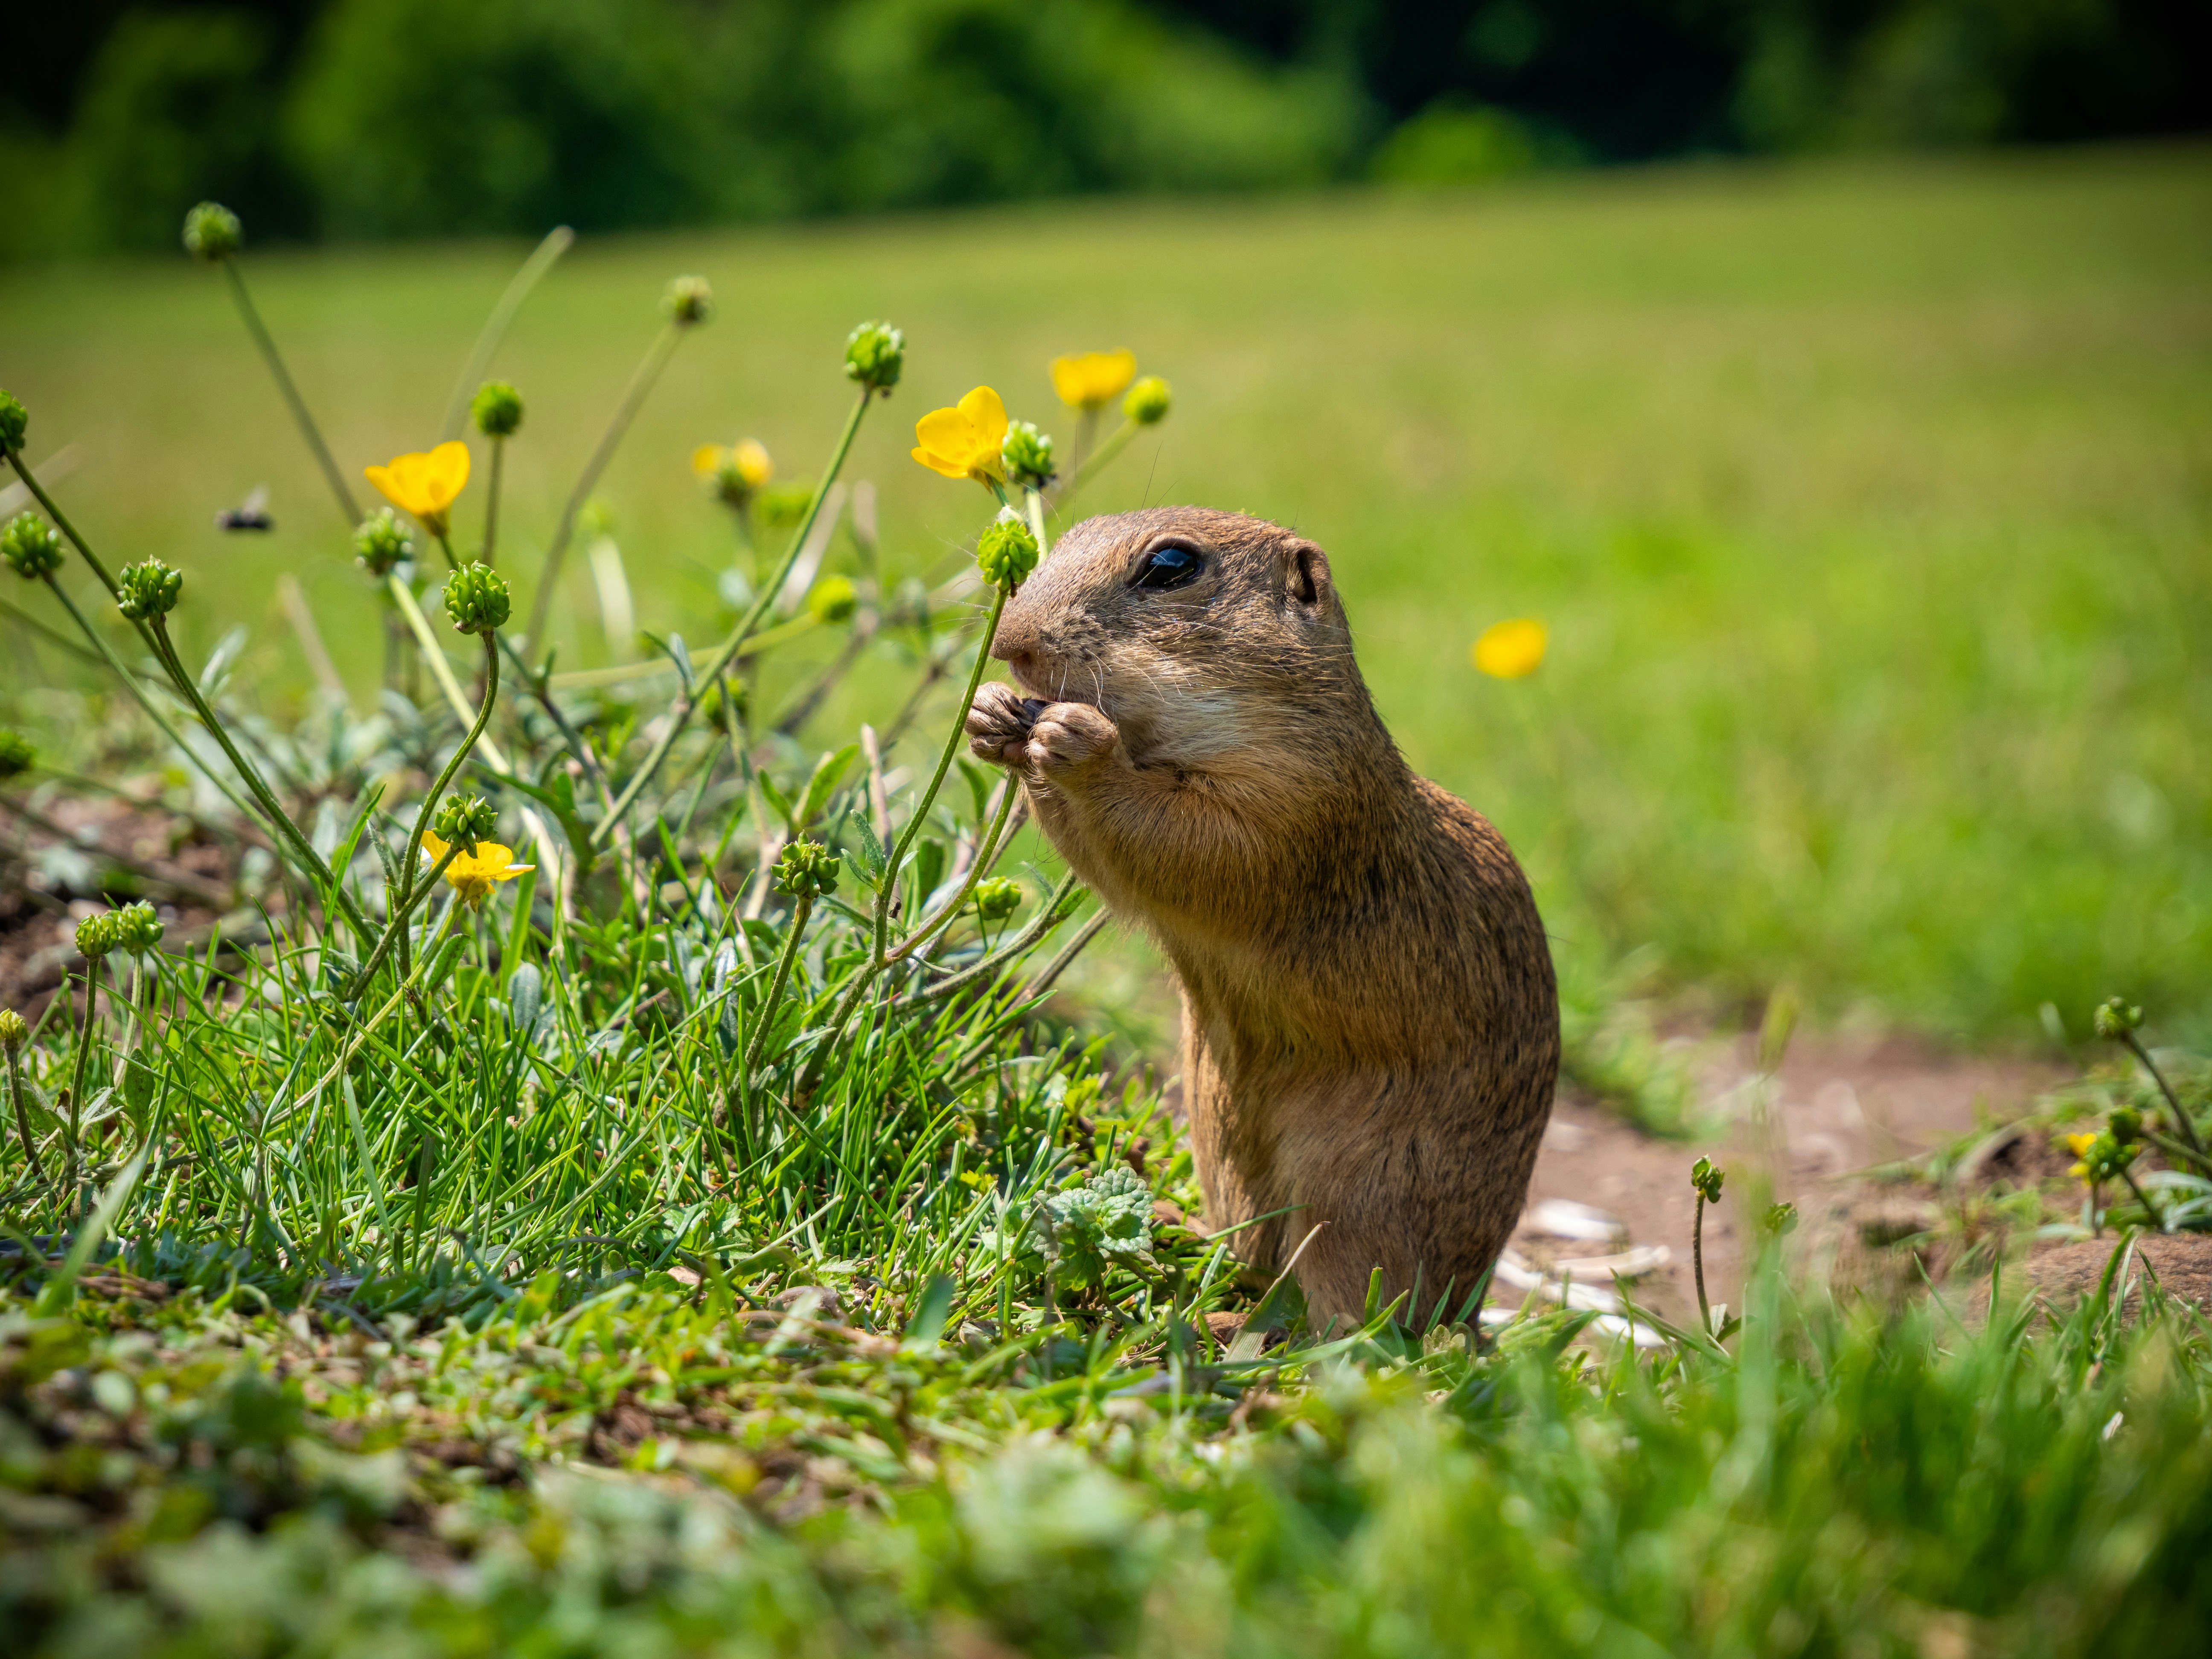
1068,735
998,725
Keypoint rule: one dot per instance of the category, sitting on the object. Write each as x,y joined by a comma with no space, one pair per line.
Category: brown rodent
1370,1026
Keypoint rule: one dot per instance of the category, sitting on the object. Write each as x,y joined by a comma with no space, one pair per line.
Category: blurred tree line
383,118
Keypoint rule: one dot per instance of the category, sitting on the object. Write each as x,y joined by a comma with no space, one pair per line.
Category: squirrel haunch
1370,1026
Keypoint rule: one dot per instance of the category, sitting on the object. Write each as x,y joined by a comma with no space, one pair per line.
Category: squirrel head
1195,631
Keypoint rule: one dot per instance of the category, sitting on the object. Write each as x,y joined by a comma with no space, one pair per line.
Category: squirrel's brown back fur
1371,1025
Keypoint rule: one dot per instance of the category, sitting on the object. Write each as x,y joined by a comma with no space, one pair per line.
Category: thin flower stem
308,858
641,382
441,669
1697,1267
2188,1129
84,550
446,546
986,852
2175,1149
921,813
155,635
491,502
22,1112
415,893
879,957
1068,952
802,909
76,1076
300,417
454,765
558,241
540,687
681,710
251,814
2142,1198
411,891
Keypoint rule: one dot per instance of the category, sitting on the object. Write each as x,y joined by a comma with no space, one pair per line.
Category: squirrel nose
1017,639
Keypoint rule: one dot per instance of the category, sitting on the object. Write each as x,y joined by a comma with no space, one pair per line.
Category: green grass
429,1239
636,1474
1867,506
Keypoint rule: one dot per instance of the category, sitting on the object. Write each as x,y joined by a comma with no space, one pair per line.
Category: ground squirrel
1371,1030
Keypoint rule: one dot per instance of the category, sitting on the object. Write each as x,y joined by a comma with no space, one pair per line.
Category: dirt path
1841,1107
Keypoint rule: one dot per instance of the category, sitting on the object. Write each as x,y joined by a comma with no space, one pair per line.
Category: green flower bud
17,756
997,898
497,407
149,590
2126,1124
806,870
464,820
477,598
381,541
13,1033
834,600
1028,454
137,929
688,301
2104,1158
1706,1176
875,355
32,547
15,421
1780,1220
1148,401
95,935
2115,1020
1006,553
212,233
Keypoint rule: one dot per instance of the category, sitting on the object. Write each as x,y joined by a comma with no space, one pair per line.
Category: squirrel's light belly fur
1371,1025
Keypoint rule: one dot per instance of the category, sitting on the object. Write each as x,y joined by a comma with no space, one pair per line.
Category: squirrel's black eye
1167,567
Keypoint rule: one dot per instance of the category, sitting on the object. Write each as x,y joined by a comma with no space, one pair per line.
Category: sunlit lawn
1867,507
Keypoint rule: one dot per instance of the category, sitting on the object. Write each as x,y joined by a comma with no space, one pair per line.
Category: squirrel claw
1070,735
999,724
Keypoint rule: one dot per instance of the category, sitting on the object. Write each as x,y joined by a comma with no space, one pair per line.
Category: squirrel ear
1308,576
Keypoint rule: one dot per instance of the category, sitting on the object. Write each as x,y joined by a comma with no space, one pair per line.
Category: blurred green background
368,119
1867,502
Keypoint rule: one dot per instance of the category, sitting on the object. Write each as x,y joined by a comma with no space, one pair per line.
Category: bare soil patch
1840,1108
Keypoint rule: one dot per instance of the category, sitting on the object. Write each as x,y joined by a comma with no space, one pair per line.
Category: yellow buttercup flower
2080,1145
471,875
1091,380
748,459
963,441
425,485
1511,650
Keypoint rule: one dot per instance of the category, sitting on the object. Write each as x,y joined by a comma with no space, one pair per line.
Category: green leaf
777,800
979,785
930,1313
829,772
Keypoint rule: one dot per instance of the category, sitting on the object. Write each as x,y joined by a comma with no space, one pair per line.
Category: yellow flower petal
706,459
988,416
424,484
752,459
2080,1144
471,875
1088,379
963,441
950,469
1511,650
